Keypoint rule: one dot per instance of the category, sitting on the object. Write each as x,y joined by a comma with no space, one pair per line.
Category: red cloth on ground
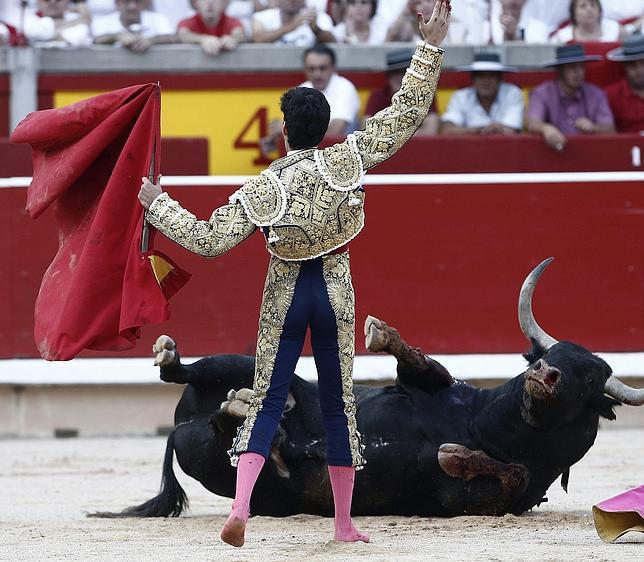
88,159
627,107
196,24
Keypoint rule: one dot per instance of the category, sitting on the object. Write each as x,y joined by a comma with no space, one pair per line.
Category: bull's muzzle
541,380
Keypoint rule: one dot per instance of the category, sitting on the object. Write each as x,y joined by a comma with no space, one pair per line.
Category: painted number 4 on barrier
251,135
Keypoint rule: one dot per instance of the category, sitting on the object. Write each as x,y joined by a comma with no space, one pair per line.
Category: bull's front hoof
237,402
376,338
457,461
165,351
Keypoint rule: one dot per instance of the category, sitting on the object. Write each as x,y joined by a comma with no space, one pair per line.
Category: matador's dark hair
306,115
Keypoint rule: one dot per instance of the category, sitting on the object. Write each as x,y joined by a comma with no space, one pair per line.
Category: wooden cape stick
145,231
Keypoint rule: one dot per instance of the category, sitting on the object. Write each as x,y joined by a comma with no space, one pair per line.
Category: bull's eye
537,365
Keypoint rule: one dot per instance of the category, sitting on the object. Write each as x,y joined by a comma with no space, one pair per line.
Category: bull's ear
537,352
603,405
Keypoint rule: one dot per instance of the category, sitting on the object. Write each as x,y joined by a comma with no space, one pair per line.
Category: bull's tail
171,500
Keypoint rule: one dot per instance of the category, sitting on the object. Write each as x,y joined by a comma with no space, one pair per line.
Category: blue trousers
315,294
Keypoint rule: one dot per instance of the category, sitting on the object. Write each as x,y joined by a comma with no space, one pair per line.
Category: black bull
434,446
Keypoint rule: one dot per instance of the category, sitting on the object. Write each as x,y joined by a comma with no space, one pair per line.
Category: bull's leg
166,356
414,367
234,410
464,464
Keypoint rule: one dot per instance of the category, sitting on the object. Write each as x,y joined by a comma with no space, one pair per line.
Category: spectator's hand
228,43
493,129
305,17
211,45
135,42
149,191
435,30
554,138
509,23
585,125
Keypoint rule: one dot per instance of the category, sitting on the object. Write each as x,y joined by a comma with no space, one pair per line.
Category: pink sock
342,478
248,469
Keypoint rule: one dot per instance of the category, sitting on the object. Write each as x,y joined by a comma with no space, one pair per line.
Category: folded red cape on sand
620,514
89,158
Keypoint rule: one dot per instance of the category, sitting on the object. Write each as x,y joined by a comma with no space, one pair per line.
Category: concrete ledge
367,368
106,397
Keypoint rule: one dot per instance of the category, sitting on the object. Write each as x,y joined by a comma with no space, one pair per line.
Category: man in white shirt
54,22
489,106
340,93
132,27
319,67
291,23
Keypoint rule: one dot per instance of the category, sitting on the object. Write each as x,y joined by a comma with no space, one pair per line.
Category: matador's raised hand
435,30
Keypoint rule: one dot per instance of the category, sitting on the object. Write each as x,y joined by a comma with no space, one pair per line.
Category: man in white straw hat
489,106
626,97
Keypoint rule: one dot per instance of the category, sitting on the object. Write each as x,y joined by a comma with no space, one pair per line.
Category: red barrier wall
180,157
4,105
443,263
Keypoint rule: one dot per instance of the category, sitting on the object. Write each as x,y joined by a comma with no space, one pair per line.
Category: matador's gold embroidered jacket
310,201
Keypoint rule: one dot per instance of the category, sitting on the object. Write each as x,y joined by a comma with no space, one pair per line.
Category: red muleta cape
88,160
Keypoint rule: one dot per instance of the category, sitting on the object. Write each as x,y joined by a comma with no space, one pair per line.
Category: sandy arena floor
48,485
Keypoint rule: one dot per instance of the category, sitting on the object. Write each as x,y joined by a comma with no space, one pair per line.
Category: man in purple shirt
568,105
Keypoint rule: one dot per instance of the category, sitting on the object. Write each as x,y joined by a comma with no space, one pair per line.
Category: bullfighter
309,206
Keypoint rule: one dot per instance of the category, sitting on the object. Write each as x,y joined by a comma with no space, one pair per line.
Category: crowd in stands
565,105
305,22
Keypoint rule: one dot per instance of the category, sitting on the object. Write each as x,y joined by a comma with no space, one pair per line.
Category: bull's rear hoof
237,402
233,532
165,351
376,338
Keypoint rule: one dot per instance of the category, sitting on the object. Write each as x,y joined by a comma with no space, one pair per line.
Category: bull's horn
624,393
528,324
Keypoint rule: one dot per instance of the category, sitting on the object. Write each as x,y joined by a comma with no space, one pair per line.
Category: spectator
587,24
174,10
405,26
490,106
397,63
243,11
291,23
621,10
99,7
54,22
569,105
319,67
470,23
532,21
359,25
626,97
132,27
389,10
210,27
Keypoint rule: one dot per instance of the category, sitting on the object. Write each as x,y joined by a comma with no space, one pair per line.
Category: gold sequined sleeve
389,129
227,227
